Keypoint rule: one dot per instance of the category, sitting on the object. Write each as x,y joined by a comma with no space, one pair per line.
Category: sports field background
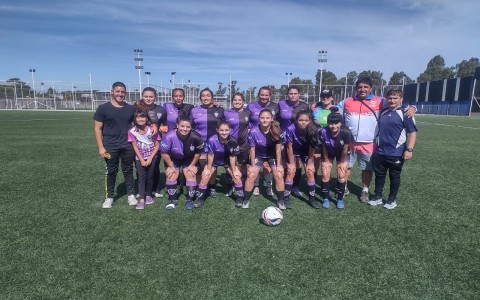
57,242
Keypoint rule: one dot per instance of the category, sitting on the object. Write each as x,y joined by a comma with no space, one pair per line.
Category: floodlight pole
288,79
139,67
321,60
148,77
33,86
173,79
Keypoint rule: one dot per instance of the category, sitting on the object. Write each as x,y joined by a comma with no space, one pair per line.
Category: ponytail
275,131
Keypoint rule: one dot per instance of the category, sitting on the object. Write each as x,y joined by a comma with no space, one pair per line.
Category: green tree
375,76
467,67
351,78
397,79
436,70
328,78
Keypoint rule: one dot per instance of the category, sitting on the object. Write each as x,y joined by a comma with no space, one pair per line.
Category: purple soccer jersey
255,108
289,111
239,123
205,120
264,145
334,145
299,141
145,142
179,149
173,112
222,151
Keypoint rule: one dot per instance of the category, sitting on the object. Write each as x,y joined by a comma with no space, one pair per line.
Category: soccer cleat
189,204
288,203
326,203
364,197
239,203
107,203
246,203
340,204
198,203
390,205
269,191
256,191
171,205
313,203
132,201
281,205
375,201
137,196
140,205
213,193
157,195
230,192
149,200
296,192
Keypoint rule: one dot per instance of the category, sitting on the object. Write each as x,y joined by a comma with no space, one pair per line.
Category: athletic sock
239,191
297,177
171,189
191,186
340,189
325,188
311,190
288,188
202,189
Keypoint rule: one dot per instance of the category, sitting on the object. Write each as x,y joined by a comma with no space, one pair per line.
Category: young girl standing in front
145,144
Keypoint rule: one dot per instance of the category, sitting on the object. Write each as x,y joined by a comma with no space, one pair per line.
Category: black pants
145,177
392,164
126,155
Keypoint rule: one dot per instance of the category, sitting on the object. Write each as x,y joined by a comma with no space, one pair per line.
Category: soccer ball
272,216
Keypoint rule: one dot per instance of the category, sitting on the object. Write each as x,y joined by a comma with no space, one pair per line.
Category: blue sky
255,42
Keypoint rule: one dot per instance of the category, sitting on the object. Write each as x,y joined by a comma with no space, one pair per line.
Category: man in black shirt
112,122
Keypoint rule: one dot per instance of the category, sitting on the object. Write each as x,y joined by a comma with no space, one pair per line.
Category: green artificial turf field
57,242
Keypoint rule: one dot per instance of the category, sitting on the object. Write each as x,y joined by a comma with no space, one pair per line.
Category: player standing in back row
112,122
396,139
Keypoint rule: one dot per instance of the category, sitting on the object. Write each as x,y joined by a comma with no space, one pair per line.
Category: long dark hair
141,113
311,130
275,130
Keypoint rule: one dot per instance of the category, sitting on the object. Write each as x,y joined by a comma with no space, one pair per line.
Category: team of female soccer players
196,141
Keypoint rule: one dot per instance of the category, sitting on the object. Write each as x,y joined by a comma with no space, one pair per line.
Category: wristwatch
409,149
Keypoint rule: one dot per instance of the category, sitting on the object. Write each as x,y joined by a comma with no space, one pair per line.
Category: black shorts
243,157
271,161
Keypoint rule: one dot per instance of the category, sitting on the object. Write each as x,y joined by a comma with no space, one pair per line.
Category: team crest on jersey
273,113
246,119
215,114
159,115
373,103
192,148
342,142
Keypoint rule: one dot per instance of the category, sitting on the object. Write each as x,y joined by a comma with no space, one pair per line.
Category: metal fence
62,95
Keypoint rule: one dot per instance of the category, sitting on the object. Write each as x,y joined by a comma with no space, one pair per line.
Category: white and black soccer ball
272,216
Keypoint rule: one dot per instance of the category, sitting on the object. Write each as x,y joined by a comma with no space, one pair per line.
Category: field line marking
440,124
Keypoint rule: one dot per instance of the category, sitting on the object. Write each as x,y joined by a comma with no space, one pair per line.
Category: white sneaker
107,203
375,202
157,195
132,201
391,205
296,192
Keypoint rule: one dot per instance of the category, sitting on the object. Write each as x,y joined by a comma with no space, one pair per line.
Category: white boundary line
446,125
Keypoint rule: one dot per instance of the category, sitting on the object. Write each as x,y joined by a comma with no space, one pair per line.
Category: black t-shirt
116,123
